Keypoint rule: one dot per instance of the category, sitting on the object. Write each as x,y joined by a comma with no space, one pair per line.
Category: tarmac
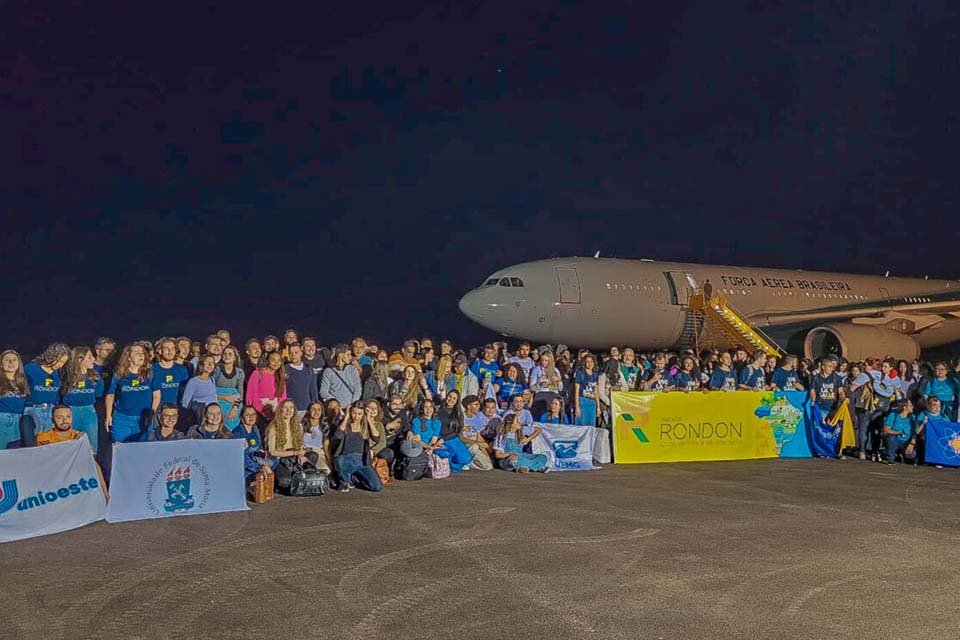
752,549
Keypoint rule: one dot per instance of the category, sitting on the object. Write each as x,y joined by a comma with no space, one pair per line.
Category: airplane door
681,285
569,281
885,295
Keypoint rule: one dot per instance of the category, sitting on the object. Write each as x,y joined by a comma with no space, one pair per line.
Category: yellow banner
688,427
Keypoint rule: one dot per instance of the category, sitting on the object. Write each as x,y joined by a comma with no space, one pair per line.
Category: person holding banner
723,377
211,427
687,378
130,395
657,378
82,387
944,388
897,429
508,452
916,448
14,390
753,377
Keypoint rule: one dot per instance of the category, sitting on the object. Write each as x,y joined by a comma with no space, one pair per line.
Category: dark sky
347,169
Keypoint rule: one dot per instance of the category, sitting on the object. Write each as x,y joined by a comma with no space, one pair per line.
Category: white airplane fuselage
598,302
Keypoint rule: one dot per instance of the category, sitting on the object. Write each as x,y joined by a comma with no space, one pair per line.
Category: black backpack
413,468
309,482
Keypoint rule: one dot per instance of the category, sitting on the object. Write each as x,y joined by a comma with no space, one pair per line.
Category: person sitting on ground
212,427
411,387
350,446
166,429
508,451
897,430
554,413
438,377
425,428
493,420
267,386
461,378
473,424
316,434
332,416
285,442
451,428
529,430
255,458
383,446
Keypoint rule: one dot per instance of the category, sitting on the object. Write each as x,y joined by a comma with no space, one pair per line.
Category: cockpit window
517,282
504,282
491,282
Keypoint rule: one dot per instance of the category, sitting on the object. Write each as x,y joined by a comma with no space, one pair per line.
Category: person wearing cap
462,379
342,380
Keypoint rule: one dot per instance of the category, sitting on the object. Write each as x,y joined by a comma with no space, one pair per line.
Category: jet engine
858,341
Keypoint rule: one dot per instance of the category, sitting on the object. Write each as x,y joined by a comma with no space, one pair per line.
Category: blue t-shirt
946,390
426,429
168,381
903,425
84,392
12,403
132,395
923,416
826,389
545,418
588,383
723,380
784,380
753,377
484,371
44,387
509,389
685,381
365,361
473,426
666,380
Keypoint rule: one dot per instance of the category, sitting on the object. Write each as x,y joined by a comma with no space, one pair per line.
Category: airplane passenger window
517,282
504,282
608,286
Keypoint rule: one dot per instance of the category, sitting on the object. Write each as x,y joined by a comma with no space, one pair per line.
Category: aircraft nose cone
471,307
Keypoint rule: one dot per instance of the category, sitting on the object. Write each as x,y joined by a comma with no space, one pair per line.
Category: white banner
48,489
178,478
567,447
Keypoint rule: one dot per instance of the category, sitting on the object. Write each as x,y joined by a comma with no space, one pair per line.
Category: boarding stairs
734,325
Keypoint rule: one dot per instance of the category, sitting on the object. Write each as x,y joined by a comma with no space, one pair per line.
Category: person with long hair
687,378
425,428
554,413
410,387
508,452
267,386
285,442
350,445
385,444
211,427
451,429
316,434
585,392
377,386
14,390
228,380
437,378
510,385
43,376
129,396
82,387
200,390
255,458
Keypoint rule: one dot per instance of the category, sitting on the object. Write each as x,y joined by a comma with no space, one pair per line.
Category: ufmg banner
178,478
691,427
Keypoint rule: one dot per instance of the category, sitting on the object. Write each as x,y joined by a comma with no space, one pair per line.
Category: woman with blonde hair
377,386
316,434
350,445
411,387
130,395
82,387
285,442
14,390
437,379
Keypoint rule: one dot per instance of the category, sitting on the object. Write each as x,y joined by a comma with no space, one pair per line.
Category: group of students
365,415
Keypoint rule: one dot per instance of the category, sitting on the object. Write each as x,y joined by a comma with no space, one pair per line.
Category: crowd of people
365,415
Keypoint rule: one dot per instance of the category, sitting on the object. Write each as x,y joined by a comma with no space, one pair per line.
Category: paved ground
760,549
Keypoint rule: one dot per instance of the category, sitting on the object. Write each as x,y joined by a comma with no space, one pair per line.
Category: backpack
439,467
309,482
413,468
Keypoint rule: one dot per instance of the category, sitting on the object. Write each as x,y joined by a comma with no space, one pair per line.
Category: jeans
894,446
9,428
350,467
42,417
457,453
85,421
861,419
125,428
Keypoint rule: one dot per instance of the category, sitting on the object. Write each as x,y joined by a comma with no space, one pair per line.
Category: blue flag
943,442
824,438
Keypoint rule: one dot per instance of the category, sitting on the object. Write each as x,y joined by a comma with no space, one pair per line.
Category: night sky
353,169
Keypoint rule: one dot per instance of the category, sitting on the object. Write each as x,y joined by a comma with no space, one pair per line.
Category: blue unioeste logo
10,495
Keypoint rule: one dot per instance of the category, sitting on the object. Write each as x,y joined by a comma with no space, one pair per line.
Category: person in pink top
267,387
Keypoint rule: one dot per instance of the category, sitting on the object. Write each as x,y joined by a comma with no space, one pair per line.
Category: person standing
82,387
585,382
168,376
302,385
229,380
200,390
341,381
267,386
43,376
129,396
14,390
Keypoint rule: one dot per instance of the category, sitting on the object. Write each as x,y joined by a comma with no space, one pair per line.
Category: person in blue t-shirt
511,385
784,377
43,376
486,368
103,350
585,382
554,413
14,390
130,396
168,376
935,411
687,379
897,429
753,377
943,388
658,378
826,388
724,378
82,387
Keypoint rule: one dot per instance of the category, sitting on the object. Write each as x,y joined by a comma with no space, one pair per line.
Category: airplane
598,302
